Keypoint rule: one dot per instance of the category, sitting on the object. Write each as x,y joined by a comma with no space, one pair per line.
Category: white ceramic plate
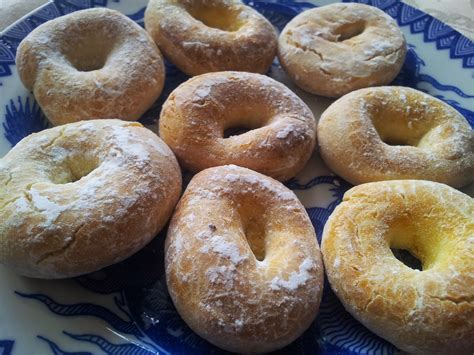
125,309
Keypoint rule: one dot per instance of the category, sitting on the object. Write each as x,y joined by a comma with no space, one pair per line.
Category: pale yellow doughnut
90,64
334,49
390,133
423,312
243,266
201,36
282,131
82,196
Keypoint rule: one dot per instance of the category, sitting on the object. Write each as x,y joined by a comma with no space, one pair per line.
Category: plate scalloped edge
334,331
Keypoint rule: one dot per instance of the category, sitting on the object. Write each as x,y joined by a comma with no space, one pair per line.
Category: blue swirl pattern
138,284
6,346
85,309
110,348
23,119
56,350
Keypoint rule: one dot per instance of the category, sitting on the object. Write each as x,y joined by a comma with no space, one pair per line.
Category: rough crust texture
197,113
338,48
82,196
426,312
90,64
228,216
243,40
427,139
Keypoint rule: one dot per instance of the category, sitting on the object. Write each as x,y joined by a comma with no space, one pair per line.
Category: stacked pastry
243,265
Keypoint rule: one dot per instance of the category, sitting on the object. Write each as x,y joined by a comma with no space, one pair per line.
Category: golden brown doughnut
196,115
390,133
334,49
94,63
424,312
242,261
201,36
82,196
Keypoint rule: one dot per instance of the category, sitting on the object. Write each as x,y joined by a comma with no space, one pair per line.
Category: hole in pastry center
401,118
418,251
255,234
407,258
236,131
253,226
89,64
395,130
424,244
241,127
390,141
218,17
86,56
74,169
77,175
349,30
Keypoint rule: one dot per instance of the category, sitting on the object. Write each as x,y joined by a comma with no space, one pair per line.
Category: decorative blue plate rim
128,302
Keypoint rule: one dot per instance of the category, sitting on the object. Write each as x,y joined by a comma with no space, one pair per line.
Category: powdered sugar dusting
296,279
87,93
378,47
251,182
48,208
220,245
85,201
282,134
82,173
218,272
222,274
286,135
125,138
21,205
203,91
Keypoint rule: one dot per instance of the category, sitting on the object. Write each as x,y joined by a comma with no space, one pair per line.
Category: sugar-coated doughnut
90,64
201,36
390,133
334,49
429,311
242,261
79,197
196,115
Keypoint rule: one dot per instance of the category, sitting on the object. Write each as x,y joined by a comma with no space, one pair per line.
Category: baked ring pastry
201,36
390,133
334,49
82,196
197,114
242,261
429,311
90,64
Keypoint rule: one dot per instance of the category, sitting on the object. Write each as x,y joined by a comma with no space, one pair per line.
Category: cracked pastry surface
94,63
282,129
201,36
79,197
429,311
392,133
334,49
242,261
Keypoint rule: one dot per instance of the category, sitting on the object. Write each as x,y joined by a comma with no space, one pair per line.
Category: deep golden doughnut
392,133
243,266
201,36
90,64
197,114
334,49
79,197
424,312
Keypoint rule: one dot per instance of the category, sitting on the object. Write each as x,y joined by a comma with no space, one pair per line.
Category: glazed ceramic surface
126,309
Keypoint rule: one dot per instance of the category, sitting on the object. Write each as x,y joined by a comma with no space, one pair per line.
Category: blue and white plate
125,309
